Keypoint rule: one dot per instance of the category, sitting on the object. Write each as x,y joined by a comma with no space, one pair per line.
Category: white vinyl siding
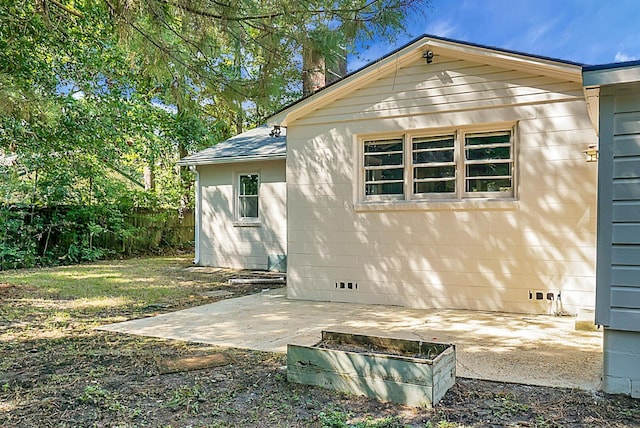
224,240
448,85
471,253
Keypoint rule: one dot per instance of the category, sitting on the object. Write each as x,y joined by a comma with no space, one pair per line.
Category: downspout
198,214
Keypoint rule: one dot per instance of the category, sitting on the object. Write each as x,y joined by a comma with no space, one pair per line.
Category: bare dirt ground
57,371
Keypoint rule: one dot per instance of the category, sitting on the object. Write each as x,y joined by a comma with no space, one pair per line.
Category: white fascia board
542,66
236,159
611,76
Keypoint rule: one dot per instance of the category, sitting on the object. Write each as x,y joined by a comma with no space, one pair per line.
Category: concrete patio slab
529,349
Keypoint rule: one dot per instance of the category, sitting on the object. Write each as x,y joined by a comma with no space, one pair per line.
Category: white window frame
500,192
414,166
366,169
238,196
460,162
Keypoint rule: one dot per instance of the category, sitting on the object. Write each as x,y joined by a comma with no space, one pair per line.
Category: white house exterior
445,175
457,181
241,202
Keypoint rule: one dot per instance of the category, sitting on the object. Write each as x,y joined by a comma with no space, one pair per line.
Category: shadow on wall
228,242
487,257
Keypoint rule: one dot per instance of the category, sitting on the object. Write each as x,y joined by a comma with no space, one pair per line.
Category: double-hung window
453,165
248,186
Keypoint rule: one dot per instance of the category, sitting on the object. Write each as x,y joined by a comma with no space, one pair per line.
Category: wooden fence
39,236
160,229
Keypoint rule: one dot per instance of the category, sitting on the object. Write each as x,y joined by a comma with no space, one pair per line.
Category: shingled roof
255,144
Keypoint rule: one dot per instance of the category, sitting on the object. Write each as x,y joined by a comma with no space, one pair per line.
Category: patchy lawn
57,371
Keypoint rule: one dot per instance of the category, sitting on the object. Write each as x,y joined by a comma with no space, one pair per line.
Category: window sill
487,204
244,223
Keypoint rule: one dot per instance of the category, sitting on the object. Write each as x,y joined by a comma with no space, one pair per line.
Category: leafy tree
80,115
247,53
98,99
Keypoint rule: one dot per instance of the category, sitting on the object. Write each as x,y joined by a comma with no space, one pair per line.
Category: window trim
403,166
237,196
411,180
510,161
460,195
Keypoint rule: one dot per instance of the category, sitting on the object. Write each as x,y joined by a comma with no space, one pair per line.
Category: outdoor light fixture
592,153
428,56
275,132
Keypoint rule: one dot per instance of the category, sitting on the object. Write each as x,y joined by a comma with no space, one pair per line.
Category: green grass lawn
103,292
58,370
144,281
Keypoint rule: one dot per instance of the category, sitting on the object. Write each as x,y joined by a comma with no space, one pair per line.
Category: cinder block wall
622,362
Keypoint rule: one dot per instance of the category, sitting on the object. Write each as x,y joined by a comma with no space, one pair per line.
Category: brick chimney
318,73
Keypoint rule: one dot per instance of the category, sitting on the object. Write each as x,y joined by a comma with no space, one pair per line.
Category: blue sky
584,31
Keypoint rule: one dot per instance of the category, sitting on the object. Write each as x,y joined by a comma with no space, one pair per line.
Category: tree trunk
149,179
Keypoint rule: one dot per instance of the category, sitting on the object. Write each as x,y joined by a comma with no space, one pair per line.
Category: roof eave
235,159
596,76
414,50
611,74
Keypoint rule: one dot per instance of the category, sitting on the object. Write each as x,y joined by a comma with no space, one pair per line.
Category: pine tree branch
334,12
66,8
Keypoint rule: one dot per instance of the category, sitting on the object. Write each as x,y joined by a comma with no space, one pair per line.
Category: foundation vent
543,295
346,285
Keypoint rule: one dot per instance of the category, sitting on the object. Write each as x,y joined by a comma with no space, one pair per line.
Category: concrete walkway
529,349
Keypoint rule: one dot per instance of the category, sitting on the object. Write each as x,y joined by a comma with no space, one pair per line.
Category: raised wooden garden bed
408,372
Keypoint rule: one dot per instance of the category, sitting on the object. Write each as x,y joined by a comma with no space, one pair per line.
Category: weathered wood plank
403,346
407,394
401,379
354,364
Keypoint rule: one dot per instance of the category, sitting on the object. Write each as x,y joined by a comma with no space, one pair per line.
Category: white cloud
539,32
441,28
622,57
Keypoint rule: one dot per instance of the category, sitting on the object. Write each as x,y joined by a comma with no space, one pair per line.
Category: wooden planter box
408,372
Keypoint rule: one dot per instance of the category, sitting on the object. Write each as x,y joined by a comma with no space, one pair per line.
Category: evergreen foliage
100,98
